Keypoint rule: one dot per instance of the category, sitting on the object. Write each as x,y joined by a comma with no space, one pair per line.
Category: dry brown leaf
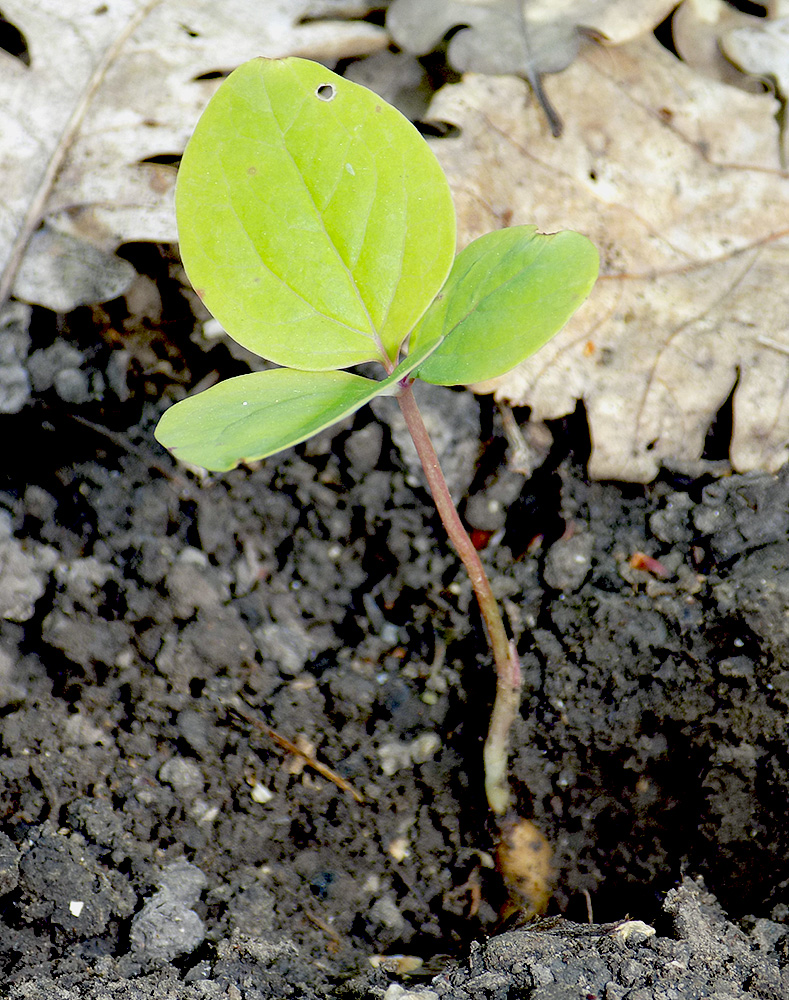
519,35
529,37
697,27
102,101
677,180
762,50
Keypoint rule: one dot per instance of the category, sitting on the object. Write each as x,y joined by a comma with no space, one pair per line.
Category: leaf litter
528,37
678,180
93,126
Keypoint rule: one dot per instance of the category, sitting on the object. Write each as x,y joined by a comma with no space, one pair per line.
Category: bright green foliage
314,221
507,294
248,417
251,416
317,226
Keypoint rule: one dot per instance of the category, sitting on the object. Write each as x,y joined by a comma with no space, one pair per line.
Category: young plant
318,227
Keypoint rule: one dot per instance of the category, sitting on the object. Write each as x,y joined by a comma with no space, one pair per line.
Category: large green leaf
508,293
314,221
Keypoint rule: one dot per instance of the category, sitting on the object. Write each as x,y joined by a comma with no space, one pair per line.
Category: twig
328,930
286,744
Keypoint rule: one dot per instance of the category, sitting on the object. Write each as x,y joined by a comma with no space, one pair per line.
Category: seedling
317,226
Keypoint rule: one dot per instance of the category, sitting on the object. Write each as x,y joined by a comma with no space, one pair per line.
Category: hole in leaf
718,440
664,35
13,41
167,159
376,16
325,92
438,129
214,74
746,7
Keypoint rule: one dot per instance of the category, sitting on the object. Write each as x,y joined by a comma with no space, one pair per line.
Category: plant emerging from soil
317,226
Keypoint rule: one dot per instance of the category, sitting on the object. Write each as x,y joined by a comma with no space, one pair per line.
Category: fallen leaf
677,180
697,27
70,272
97,108
761,50
529,37
516,36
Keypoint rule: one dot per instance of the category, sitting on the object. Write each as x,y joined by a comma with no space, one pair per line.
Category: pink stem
508,674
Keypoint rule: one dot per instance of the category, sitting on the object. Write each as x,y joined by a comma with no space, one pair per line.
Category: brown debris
524,860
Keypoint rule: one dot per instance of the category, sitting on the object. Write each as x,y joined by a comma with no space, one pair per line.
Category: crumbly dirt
157,841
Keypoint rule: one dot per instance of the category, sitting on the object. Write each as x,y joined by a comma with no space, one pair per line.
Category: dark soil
158,843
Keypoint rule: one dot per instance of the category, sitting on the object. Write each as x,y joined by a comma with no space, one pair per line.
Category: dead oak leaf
528,37
518,36
697,28
761,50
97,102
677,180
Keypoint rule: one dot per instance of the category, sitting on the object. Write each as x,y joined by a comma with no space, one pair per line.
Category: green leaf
251,416
508,293
314,221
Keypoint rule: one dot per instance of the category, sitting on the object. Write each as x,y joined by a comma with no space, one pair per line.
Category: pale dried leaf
528,37
70,272
114,89
677,180
518,36
762,50
697,27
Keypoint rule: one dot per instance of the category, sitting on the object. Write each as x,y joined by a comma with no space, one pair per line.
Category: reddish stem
505,656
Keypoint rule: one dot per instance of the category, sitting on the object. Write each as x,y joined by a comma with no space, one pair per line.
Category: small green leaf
314,221
508,293
251,416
